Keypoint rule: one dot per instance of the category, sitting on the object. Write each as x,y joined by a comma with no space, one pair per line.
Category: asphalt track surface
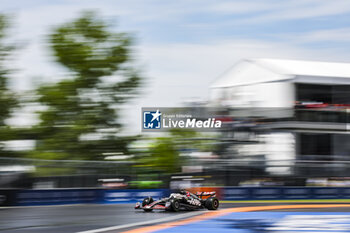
78,218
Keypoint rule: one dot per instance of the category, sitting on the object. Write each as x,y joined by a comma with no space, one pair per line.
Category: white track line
58,205
171,218
39,206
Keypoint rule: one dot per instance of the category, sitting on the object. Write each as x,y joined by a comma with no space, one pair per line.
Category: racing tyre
212,203
146,201
175,205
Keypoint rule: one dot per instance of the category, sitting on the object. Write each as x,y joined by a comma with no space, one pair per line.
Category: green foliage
192,140
81,118
7,98
164,156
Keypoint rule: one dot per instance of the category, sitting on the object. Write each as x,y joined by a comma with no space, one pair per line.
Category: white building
315,99
272,82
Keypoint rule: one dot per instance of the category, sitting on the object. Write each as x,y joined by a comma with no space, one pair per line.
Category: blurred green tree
162,155
81,116
8,100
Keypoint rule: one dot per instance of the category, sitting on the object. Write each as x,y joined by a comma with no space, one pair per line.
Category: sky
182,46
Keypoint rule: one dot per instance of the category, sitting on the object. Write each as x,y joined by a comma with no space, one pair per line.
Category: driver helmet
184,192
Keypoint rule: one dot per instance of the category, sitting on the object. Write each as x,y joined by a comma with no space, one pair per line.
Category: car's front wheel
175,205
147,201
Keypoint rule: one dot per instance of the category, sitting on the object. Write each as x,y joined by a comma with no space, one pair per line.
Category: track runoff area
264,218
230,217
275,218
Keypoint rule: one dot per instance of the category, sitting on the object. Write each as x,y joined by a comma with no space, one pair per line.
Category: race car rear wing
206,194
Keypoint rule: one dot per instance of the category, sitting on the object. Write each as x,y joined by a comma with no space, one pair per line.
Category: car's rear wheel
147,201
212,203
175,205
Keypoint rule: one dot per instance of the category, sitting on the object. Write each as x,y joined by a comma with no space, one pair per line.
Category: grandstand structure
298,111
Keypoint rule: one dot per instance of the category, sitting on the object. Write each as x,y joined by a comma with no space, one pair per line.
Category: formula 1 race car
182,200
